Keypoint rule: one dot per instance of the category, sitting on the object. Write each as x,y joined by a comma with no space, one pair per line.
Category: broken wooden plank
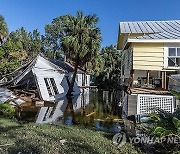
25,92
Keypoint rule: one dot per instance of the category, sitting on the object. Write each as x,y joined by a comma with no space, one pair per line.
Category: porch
154,80
157,91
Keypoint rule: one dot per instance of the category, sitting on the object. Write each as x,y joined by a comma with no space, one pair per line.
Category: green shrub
6,110
175,93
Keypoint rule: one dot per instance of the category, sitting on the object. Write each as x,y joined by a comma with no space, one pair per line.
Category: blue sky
33,14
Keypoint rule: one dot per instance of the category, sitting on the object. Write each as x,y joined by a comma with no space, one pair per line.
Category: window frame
51,86
175,57
166,55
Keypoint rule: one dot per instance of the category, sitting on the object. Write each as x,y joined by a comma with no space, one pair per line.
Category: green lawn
34,138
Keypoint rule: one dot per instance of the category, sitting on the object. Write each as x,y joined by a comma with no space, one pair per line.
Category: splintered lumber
27,99
24,92
39,103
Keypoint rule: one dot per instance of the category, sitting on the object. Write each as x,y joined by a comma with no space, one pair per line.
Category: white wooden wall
43,69
80,80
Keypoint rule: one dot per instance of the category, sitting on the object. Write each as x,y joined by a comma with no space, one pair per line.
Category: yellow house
150,55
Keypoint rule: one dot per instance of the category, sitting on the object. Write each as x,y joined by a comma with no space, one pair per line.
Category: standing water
99,109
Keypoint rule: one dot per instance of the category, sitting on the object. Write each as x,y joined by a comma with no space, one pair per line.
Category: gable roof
57,64
150,27
154,31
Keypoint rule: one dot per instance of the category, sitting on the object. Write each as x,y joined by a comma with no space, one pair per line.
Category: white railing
145,103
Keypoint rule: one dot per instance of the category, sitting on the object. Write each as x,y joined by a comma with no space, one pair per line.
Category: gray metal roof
152,29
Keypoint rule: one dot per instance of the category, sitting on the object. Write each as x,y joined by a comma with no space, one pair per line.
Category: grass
50,139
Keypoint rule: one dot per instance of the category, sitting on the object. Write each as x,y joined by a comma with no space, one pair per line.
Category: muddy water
97,109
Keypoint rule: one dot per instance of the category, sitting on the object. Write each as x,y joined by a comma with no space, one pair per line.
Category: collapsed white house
45,79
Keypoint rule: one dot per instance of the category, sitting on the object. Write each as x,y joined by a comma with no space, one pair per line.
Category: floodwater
96,109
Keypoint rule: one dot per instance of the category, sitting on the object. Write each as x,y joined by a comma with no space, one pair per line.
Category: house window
174,57
51,86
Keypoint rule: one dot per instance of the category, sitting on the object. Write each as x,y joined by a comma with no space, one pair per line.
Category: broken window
174,57
51,86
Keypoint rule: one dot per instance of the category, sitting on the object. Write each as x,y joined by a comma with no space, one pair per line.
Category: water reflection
90,108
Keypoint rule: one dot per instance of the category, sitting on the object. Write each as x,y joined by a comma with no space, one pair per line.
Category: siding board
144,62
155,59
148,56
147,67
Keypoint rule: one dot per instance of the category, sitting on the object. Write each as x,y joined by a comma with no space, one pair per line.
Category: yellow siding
122,39
148,67
160,59
147,63
148,56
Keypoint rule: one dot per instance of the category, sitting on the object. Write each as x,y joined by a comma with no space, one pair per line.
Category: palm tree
3,30
109,74
80,40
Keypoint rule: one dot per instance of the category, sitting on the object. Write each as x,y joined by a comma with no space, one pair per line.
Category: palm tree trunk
1,40
69,93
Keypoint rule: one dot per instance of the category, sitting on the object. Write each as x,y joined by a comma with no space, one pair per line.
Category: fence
145,103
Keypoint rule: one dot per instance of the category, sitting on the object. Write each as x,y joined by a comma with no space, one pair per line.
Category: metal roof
152,29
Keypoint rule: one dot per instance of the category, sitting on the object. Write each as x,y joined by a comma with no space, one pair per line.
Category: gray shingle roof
152,29
64,65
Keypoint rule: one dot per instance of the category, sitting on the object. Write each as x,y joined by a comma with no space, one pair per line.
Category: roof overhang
129,41
155,40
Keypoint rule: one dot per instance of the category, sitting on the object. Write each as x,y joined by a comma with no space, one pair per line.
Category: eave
155,40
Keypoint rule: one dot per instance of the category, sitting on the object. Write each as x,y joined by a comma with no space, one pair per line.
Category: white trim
166,47
155,40
172,68
165,57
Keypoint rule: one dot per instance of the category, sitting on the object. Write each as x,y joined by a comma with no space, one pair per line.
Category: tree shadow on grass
109,136
73,144
77,145
8,128
24,147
